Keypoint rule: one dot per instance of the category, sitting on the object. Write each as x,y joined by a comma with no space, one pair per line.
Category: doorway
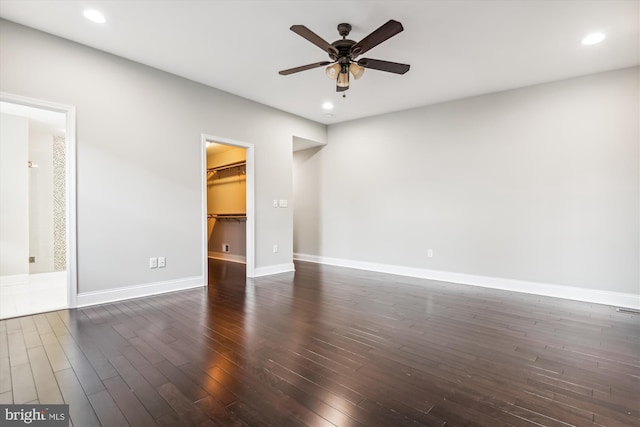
37,214
228,203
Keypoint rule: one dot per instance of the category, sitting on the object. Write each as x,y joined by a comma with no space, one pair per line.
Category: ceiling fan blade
303,68
377,64
386,31
306,33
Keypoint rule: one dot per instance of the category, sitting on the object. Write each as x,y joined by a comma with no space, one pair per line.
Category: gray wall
139,153
537,184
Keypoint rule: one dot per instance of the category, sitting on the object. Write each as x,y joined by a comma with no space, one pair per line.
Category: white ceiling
456,48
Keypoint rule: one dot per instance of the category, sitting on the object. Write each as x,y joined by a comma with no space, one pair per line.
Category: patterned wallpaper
59,204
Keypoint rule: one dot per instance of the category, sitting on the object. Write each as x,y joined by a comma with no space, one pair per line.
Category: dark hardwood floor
329,346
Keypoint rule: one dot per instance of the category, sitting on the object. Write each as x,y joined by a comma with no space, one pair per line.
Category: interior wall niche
226,202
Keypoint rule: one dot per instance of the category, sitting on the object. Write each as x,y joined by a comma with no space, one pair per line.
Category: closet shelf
227,166
228,216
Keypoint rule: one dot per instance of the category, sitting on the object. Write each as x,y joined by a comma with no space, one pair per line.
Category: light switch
275,203
284,203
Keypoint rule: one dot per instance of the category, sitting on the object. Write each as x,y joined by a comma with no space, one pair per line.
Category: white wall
540,184
41,200
14,195
138,157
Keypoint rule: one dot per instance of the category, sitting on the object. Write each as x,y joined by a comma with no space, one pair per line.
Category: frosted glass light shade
333,71
343,80
356,70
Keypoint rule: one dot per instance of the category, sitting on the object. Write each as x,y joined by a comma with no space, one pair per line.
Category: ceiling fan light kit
343,53
333,71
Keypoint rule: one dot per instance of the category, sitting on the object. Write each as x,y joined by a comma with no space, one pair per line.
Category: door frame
70,184
250,199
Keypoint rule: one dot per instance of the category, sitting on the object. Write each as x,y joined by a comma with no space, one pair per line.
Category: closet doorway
228,205
37,214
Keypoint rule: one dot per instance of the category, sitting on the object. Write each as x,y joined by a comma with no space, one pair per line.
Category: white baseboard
274,269
48,276
137,291
617,299
223,256
14,279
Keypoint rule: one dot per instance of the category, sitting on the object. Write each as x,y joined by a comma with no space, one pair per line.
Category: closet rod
228,166
236,216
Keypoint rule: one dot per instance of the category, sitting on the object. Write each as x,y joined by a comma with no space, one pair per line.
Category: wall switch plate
275,249
283,203
429,253
162,262
275,203
226,247
153,262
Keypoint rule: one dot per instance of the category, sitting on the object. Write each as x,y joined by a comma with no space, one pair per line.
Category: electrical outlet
162,262
275,203
226,247
275,249
153,262
429,253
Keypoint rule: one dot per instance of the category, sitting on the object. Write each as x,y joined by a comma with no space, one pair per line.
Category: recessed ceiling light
593,38
327,106
94,16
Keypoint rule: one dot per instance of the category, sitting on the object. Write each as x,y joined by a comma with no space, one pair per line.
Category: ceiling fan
343,53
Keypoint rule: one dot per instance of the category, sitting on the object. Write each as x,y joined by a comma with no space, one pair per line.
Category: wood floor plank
250,416
181,382
22,384
150,353
142,365
183,406
17,348
218,413
216,389
128,403
44,377
80,410
107,411
173,355
86,374
42,324
5,375
94,353
146,393
56,355
6,398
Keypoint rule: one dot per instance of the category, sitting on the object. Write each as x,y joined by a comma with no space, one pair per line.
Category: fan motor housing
344,49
